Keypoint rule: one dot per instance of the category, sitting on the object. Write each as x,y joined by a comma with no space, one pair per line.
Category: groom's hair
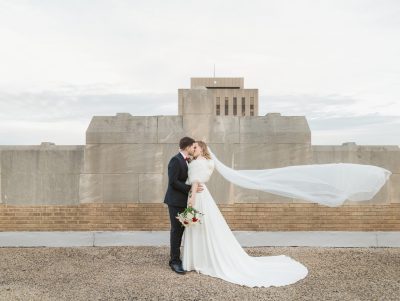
185,142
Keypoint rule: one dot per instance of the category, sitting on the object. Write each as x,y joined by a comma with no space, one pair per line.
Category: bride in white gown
211,248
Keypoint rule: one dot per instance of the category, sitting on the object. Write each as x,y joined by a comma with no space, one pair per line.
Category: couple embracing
209,247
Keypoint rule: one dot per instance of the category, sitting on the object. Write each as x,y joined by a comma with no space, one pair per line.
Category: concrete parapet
274,128
386,156
126,157
40,174
122,128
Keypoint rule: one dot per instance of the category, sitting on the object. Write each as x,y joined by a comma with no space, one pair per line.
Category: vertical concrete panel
394,188
170,129
123,158
91,188
45,174
151,189
122,128
198,102
121,188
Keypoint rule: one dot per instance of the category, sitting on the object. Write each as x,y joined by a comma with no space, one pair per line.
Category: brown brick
252,216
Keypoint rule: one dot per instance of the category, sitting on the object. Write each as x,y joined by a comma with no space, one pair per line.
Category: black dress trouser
176,233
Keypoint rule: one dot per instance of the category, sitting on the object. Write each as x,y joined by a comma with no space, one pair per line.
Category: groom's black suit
176,198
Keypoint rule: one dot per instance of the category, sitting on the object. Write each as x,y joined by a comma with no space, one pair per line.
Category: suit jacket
177,191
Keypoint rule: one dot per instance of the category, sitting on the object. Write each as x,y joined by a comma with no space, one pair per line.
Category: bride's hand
199,188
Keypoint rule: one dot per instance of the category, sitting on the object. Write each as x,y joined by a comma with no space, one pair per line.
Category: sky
336,62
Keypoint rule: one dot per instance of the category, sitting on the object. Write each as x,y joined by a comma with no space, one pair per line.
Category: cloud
328,105
313,106
62,62
63,106
62,117
334,119
372,129
303,47
356,122
61,132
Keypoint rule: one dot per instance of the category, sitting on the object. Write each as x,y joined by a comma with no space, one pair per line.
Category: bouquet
189,216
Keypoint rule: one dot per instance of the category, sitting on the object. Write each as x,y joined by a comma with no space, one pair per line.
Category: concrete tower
228,96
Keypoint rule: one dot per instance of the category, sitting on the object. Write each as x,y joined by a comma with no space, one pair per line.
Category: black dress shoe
176,267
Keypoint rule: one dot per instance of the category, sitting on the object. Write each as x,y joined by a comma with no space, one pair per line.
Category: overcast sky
61,62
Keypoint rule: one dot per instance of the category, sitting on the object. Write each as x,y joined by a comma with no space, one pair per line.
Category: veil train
326,184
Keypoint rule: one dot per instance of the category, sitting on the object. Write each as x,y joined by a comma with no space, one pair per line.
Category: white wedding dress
211,248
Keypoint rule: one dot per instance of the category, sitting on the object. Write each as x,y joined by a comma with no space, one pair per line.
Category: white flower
180,218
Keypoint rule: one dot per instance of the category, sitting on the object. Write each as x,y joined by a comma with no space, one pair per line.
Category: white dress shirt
184,157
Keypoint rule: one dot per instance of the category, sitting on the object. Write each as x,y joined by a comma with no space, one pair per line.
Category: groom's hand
199,188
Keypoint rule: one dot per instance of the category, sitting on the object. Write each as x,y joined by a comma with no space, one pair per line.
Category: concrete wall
217,82
386,156
121,163
125,157
40,174
221,88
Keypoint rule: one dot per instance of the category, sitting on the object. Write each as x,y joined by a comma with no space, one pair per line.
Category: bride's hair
204,148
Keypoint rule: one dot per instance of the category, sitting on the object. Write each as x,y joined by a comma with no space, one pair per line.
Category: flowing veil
326,184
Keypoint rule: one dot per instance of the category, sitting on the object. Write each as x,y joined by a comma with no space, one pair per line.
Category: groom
176,198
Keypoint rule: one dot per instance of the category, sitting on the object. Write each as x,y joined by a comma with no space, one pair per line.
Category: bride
211,248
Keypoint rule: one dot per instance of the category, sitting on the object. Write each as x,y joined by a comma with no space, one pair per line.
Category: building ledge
327,239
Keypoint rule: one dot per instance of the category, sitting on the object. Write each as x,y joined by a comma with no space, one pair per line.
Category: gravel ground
142,273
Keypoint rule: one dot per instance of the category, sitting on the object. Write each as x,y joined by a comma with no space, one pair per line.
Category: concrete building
117,180
229,97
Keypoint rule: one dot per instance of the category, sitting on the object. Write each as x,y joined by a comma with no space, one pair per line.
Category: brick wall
251,217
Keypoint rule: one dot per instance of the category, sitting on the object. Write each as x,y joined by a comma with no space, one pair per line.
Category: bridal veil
326,184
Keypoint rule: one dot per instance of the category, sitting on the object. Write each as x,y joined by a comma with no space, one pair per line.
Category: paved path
161,238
